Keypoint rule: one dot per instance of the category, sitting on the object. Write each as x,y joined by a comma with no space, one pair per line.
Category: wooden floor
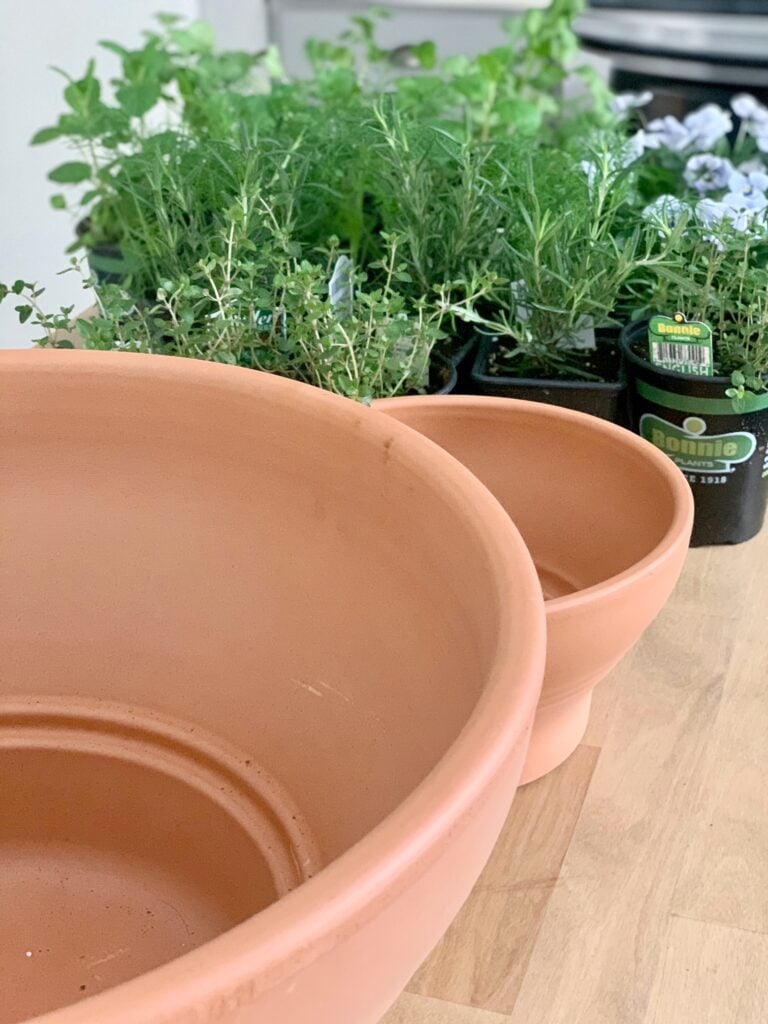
631,885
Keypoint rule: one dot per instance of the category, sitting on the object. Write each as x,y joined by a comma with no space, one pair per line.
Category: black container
462,356
721,451
107,264
105,259
443,376
607,400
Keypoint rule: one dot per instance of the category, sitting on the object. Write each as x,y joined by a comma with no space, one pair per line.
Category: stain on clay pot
607,522
257,732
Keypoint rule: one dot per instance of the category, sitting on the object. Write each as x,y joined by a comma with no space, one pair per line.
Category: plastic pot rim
499,379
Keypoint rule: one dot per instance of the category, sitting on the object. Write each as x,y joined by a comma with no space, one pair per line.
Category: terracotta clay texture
606,520
257,732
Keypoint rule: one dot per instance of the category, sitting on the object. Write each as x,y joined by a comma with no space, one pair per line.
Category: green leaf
492,65
58,202
426,54
533,21
197,37
167,19
273,63
525,117
107,44
70,173
84,94
514,27
137,99
25,312
45,135
63,344
18,286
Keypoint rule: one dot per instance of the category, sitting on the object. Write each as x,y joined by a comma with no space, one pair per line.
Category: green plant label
695,451
683,345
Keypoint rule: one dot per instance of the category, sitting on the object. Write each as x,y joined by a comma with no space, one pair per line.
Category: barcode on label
678,352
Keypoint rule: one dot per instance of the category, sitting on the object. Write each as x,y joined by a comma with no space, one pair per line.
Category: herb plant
335,230
563,258
376,343
710,214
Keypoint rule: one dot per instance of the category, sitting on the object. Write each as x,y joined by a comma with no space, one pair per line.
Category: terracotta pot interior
236,635
588,506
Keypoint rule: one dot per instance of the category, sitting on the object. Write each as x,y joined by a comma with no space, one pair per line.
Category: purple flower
624,102
706,172
634,148
755,164
713,214
668,133
752,113
665,211
708,125
744,220
701,128
747,191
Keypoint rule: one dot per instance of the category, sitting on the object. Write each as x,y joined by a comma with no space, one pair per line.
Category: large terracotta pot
606,518
269,665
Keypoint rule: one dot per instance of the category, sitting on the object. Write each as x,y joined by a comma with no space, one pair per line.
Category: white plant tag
340,287
519,301
583,337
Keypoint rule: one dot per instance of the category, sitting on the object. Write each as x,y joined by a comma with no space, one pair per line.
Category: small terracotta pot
607,520
270,662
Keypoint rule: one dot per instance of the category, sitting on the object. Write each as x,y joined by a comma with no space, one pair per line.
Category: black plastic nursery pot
462,357
107,264
105,259
606,399
443,375
722,452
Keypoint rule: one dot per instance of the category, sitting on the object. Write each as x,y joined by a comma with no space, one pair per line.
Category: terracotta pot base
125,841
607,523
557,730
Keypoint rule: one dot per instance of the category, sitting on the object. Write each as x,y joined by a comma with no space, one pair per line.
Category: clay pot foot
557,730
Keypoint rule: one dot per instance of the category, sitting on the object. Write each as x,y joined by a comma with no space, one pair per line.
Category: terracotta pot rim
679,528
352,889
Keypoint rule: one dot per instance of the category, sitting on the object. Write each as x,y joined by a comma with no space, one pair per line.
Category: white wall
239,24
35,34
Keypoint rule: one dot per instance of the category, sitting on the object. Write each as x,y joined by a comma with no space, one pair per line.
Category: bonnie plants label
685,346
695,451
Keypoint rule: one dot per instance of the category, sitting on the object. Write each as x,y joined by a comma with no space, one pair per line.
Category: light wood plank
605,706
598,948
413,1009
711,974
725,872
483,958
